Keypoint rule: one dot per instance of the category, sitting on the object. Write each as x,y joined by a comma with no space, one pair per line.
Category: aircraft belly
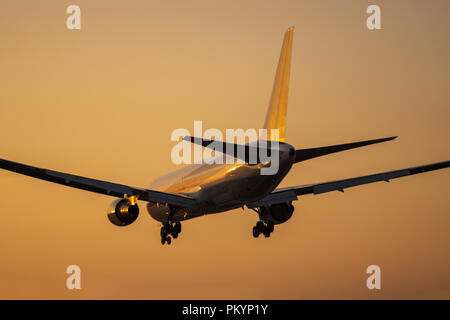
161,213
234,193
218,188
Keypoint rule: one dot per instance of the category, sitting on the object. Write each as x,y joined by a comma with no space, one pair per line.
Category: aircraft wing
283,195
99,186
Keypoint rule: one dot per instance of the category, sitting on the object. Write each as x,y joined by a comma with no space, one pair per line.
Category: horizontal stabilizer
306,154
246,153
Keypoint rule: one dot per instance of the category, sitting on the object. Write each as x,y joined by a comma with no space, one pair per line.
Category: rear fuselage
219,187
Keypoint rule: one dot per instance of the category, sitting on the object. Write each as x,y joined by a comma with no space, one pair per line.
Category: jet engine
122,213
278,213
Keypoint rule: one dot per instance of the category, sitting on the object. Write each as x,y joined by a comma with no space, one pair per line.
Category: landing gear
170,229
167,239
270,226
255,232
164,238
177,227
264,228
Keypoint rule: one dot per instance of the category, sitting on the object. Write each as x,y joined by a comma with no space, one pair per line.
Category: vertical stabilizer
276,113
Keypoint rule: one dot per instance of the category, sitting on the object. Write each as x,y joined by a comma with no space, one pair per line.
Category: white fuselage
219,187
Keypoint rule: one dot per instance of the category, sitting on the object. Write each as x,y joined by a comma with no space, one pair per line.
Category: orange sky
102,102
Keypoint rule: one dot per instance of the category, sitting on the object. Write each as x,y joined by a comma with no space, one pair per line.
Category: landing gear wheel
270,226
255,232
177,227
260,226
175,235
169,240
266,232
164,237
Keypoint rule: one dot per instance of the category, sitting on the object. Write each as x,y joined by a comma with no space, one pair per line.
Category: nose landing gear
170,229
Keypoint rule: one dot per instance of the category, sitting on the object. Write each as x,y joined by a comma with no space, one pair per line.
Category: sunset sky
103,101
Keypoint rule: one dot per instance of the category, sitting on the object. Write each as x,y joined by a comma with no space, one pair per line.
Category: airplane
200,189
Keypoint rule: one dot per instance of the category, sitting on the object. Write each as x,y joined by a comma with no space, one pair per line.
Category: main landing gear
264,228
264,225
170,229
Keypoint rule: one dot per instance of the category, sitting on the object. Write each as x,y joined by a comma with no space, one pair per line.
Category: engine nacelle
278,213
122,213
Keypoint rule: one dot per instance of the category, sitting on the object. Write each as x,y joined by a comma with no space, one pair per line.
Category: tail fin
276,114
